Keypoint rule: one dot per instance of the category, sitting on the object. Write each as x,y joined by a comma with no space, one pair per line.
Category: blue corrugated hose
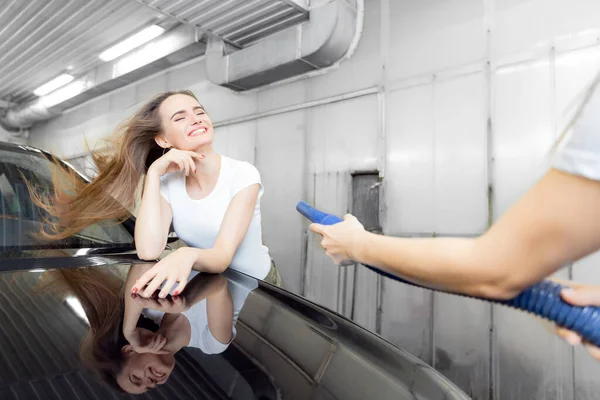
542,299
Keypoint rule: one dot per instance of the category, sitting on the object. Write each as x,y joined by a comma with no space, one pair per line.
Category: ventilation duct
319,43
173,47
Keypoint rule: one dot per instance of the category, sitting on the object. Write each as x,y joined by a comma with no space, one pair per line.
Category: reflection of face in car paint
141,372
209,306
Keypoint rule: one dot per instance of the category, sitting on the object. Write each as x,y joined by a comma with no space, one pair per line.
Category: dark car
54,344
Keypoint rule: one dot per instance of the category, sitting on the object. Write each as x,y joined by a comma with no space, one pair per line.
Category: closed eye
134,380
182,118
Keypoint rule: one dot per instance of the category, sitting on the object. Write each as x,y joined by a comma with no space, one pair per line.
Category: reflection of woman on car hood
202,316
211,305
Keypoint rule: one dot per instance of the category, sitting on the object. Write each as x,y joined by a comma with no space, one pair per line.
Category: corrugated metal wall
448,99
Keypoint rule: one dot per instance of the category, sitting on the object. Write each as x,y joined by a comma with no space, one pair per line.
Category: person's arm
140,339
133,309
176,267
153,220
155,214
219,308
231,233
219,311
556,222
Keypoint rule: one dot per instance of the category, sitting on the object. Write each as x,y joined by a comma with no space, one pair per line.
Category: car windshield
20,218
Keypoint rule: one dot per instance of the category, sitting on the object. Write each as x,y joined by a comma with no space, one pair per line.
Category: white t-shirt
581,152
201,337
197,222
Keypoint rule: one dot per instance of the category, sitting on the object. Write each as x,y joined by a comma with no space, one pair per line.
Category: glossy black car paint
286,347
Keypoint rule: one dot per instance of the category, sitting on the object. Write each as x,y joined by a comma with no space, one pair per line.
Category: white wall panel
362,70
185,76
432,35
409,193
330,191
280,158
237,141
150,87
460,173
574,73
365,298
280,96
343,136
461,337
523,25
523,130
123,102
407,318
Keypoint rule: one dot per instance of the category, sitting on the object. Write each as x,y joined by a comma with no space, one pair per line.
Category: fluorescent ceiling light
131,43
53,84
64,93
146,54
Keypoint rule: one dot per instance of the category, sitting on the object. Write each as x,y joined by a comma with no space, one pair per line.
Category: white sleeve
581,152
210,345
201,336
154,315
246,175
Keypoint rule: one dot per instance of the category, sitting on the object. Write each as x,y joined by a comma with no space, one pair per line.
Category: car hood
284,346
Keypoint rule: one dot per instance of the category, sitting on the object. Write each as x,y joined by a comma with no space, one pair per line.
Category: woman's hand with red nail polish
175,268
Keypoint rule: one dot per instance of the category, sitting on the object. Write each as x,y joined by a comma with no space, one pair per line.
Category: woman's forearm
219,311
203,286
150,240
132,310
462,265
214,260
440,262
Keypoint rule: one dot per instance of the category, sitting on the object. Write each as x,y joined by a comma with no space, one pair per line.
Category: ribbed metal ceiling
237,22
41,39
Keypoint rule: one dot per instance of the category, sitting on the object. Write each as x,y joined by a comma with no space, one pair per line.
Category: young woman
212,201
555,223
